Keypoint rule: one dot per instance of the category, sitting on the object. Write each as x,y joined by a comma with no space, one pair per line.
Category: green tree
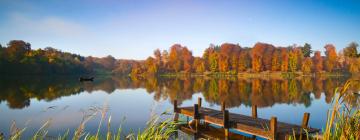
351,50
306,50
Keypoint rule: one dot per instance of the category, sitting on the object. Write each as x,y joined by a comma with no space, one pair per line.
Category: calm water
30,101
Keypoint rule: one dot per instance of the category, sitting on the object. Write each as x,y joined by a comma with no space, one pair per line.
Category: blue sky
134,28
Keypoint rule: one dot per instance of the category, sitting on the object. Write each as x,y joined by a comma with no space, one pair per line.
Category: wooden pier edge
242,123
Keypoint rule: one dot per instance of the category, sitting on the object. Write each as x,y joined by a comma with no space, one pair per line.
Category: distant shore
257,75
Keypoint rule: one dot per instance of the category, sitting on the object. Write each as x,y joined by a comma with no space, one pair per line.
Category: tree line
18,58
262,57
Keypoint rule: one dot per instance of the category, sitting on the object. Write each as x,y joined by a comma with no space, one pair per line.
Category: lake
30,101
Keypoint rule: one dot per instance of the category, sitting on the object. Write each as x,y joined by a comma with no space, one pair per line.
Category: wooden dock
211,133
269,129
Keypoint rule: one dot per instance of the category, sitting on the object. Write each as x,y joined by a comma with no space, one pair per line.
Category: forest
229,59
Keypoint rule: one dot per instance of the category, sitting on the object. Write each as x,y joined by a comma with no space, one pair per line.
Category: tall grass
343,119
156,129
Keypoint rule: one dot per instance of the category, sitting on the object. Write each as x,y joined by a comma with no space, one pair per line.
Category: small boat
82,79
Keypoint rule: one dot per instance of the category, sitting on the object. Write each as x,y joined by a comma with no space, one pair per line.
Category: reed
156,129
343,119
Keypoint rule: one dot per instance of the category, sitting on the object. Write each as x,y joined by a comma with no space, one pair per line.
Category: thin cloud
19,24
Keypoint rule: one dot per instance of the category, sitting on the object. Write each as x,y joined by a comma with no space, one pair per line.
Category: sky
133,29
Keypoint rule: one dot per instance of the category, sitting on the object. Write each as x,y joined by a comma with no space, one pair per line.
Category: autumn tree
157,55
306,65
292,61
257,55
151,66
175,60
331,57
213,62
17,49
187,59
354,65
210,57
284,60
108,62
244,60
165,59
267,56
227,52
234,59
123,66
317,62
136,69
199,65
276,60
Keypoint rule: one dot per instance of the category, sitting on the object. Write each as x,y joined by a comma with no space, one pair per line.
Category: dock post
305,120
254,111
176,117
175,106
199,102
226,123
304,123
223,106
273,127
196,116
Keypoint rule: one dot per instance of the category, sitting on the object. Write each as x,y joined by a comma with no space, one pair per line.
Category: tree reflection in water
17,92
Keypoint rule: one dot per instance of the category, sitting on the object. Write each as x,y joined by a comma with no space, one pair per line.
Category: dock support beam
304,123
175,106
199,102
254,111
223,106
273,127
196,116
176,117
305,120
226,123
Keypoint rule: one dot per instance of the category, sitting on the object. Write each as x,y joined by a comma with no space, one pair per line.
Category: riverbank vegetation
217,60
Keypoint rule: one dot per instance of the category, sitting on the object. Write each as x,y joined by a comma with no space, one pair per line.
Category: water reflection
17,92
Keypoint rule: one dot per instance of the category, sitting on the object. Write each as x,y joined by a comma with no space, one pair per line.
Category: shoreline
257,75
